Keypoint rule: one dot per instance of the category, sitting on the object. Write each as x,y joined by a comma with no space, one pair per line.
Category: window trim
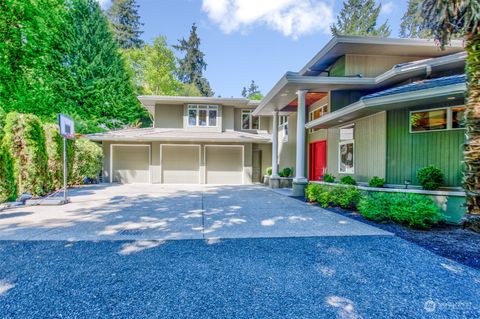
250,120
340,143
324,108
449,119
199,107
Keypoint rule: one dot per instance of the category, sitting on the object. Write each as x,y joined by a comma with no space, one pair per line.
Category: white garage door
130,163
180,164
224,164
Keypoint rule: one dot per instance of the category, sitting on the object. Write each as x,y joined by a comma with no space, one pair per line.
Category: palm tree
446,18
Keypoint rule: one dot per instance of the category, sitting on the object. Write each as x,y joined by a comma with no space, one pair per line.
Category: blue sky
246,40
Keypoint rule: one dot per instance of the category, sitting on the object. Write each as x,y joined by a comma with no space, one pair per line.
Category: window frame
207,108
344,142
250,120
324,110
449,119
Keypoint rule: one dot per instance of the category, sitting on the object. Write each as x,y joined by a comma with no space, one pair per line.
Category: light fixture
407,182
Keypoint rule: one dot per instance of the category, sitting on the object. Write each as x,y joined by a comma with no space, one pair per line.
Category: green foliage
54,143
326,196
8,185
25,138
359,17
376,182
348,180
88,161
125,21
319,193
252,92
328,178
376,206
153,68
287,171
268,171
189,89
430,177
414,210
192,65
411,26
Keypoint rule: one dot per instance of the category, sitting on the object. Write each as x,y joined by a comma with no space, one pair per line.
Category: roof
149,101
163,134
417,93
420,85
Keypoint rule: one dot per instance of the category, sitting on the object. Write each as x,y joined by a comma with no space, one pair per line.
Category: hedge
54,144
25,139
88,161
8,185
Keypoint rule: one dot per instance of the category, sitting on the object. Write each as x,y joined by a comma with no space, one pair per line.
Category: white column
300,156
275,145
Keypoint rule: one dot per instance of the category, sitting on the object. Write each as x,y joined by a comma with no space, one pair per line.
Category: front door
318,160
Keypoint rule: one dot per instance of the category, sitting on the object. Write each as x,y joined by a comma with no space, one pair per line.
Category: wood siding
407,152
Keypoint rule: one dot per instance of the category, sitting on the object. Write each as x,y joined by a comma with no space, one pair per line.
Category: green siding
338,68
407,152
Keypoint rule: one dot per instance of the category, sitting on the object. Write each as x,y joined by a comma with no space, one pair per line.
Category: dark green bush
430,177
345,197
348,180
88,161
8,184
25,139
287,171
328,178
268,171
414,210
376,182
280,173
376,206
54,143
321,194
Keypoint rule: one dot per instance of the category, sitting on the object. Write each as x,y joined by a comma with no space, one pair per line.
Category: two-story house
369,106
194,140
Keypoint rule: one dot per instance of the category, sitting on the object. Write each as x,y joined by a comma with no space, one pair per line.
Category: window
346,150
437,119
317,113
249,122
283,119
202,115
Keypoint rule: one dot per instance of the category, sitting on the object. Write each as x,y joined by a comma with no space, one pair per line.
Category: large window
317,113
440,119
202,115
249,122
346,162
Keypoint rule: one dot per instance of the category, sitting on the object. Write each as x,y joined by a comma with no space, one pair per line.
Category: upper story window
202,115
249,122
317,113
283,120
440,119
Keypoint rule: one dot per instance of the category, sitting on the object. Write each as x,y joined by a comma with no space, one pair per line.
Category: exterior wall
407,152
169,116
228,118
266,150
287,146
373,65
338,68
369,147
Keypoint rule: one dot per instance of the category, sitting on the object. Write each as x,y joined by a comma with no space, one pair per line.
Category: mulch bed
450,241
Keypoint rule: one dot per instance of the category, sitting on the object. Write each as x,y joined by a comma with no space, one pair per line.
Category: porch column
274,181
300,182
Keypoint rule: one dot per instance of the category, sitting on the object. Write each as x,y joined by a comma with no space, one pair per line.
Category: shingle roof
419,85
161,134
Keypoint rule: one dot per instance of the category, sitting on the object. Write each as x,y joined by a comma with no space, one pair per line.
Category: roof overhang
371,106
286,88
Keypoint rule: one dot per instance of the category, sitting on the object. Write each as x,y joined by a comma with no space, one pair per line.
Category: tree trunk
472,121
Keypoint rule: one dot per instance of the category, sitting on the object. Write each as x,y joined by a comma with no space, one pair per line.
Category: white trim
449,119
213,145
340,143
250,120
199,160
207,108
134,145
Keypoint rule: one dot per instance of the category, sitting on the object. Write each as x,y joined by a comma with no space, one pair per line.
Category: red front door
318,160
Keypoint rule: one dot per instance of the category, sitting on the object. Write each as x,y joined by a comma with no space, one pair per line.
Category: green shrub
54,143
375,206
348,180
312,191
25,139
319,193
345,197
8,184
280,173
328,178
287,171
414,210
268,171
430,177
88,161
376,182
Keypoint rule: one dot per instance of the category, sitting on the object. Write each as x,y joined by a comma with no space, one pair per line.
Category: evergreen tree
411,26
98,83
125,21
192,65
252,92
359,17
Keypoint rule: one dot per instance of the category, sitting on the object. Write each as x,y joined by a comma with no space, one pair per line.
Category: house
368,106
194,140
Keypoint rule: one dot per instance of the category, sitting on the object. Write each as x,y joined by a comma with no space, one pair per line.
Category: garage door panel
180,164
224,165
130,164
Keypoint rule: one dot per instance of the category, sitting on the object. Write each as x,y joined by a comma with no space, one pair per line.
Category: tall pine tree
252,92
125,21
192,65
359,17
98,83
411,26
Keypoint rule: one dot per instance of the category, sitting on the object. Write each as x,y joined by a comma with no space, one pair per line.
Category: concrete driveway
163,212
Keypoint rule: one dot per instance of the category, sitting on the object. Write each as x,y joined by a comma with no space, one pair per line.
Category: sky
246,40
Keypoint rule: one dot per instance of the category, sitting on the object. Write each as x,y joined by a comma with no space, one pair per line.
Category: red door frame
311,159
